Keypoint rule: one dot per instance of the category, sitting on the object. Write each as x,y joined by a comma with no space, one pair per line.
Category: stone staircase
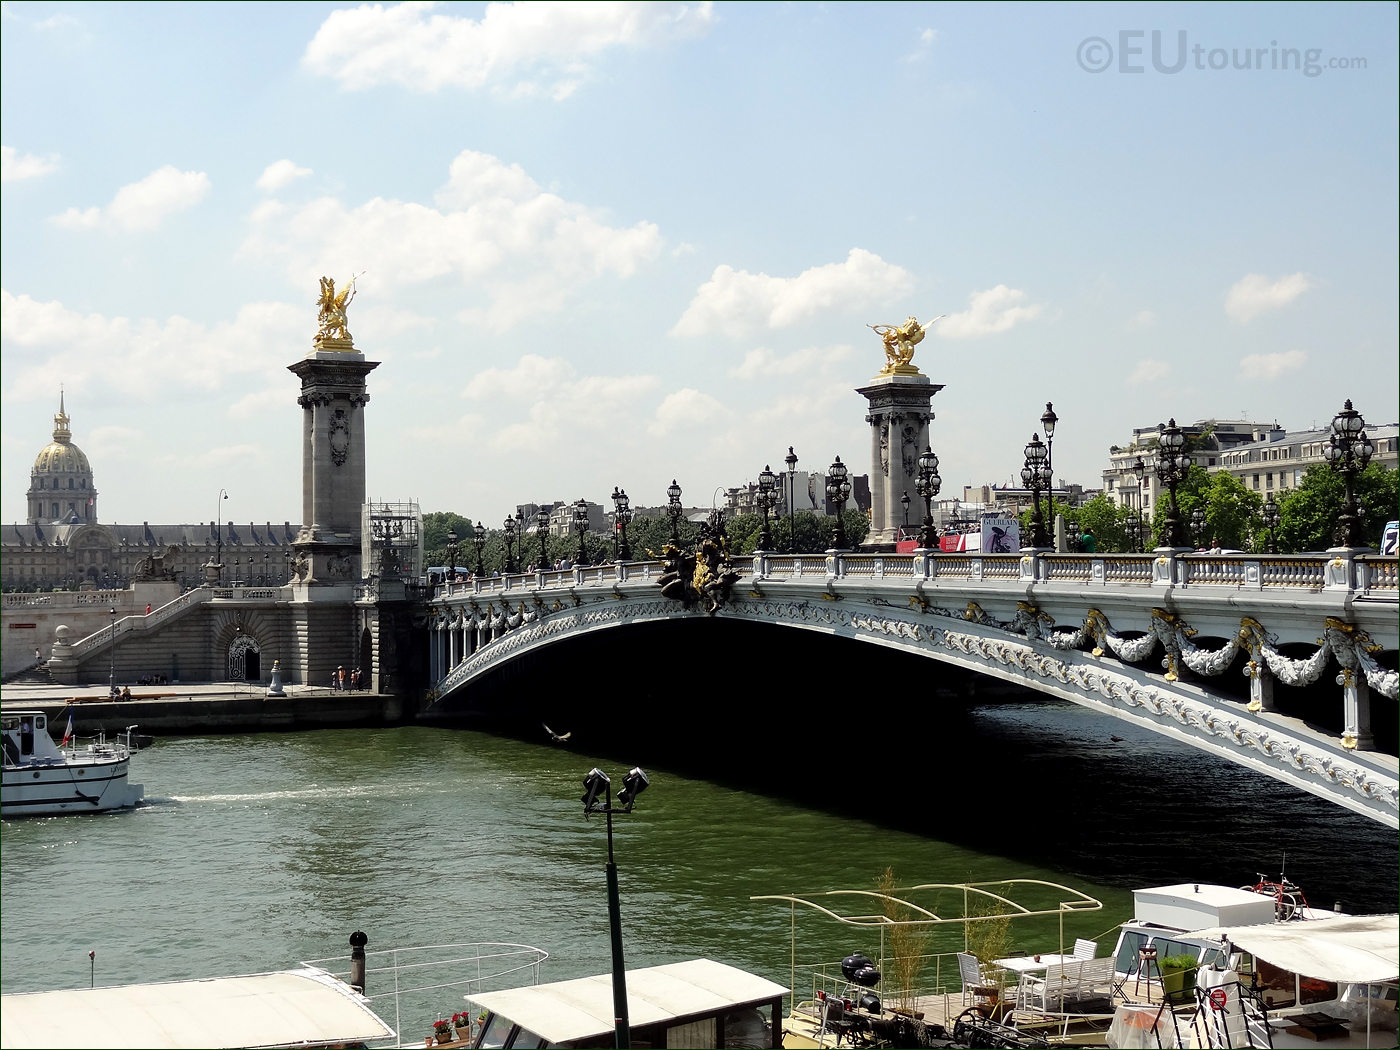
34,674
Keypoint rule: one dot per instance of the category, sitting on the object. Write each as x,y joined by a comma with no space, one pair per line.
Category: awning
1348,949
306,1008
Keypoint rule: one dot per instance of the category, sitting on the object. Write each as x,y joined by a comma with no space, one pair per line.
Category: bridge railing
552,579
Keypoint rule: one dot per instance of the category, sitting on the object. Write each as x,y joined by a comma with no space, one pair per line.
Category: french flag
67,733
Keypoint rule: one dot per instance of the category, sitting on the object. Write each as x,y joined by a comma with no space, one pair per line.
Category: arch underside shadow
1268,743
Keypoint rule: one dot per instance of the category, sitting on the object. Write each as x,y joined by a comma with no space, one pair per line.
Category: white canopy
306,1007
569,1011
1348,949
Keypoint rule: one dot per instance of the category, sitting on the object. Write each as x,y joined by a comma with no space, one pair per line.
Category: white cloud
280,173
520,48
1254,293
143,205
1142,319
16,166
1272,366
737,302
524,250
1147,371
687,408
989,312
923,46
761,362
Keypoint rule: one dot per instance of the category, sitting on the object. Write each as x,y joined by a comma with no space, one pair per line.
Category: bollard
357,961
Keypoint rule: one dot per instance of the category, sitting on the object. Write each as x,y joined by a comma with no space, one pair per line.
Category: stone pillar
899,418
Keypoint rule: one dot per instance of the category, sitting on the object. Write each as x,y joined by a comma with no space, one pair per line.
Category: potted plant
1178,978
443,1031
463,1023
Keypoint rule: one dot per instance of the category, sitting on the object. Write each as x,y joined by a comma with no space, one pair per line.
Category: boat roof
569,1011
305,1007
1348,949
1018,898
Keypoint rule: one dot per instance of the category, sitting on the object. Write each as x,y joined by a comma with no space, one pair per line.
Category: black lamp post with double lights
838,490
675,510
508,528
791,460
452,553
1173,464
1348,453
1271,518
928,484
595,800
478,538
1035,475
581,526
542,527
767,499
622,517
1048,419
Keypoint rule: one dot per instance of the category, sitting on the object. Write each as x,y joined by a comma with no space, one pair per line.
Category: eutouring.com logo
1143,51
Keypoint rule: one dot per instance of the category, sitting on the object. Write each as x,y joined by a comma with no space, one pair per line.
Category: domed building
61,491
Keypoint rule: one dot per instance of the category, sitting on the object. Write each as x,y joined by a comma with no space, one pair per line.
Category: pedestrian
341,679
38,656
148,608
1087,541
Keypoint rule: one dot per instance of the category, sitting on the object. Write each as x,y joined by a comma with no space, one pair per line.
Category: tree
1233,512
436,525
1308,514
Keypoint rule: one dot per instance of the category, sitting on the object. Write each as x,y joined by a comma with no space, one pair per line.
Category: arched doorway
366,659
244,660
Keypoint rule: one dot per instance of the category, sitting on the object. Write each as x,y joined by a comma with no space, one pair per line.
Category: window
1256,482
1269,480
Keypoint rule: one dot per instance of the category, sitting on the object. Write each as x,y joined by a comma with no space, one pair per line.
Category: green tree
436,525
1308,514
1233,512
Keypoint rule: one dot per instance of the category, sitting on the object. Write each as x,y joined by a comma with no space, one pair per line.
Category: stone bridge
1153,639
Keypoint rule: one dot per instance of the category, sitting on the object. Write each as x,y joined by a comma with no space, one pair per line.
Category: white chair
1085,949
975,986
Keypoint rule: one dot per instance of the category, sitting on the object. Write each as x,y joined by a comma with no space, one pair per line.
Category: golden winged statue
900,341
333,305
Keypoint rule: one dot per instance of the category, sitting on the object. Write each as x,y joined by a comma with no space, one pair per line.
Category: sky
602,245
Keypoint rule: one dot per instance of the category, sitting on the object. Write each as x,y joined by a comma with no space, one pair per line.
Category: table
1024,964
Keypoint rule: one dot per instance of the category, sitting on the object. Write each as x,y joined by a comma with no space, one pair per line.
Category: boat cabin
24,731
1164,915
699,1003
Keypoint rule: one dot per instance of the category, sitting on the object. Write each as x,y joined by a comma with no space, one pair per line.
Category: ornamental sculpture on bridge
332,317
900,341
705,575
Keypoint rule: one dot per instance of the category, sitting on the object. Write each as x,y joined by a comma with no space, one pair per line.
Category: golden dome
61,456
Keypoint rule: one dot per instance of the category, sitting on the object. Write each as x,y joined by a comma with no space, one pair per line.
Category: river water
254,852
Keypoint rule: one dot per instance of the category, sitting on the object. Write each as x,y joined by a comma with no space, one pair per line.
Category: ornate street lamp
1132,525
581,525
1348,453
1035,475
267,567
904,502
509,528
542,527
838,490
767,498
112,655
622,517
791,460
595,800
219,533
928,484
674,509
1172,467
1048,419
1271,517
452,552
1198,526
479,541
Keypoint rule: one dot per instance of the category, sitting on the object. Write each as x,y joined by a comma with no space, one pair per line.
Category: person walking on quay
340,678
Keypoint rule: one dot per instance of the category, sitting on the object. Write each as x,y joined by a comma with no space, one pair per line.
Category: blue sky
615,244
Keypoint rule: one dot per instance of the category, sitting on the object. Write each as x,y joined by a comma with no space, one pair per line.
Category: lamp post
1048,419
581,525
542,527
767,498
595,800
1132,525
219,532
267,567
1198,526
928,484
1172,467
112,654
1271,517
622,516
478,538
1035,475
838,490
509,527
791,460
904,502
675,510
452,553
1348,453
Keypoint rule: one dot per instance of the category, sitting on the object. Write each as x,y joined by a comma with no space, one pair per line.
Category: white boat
42,778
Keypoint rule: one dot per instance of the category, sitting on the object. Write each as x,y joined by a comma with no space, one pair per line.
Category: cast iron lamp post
112,654
479,542
767,498
542,527
1132,525
1271,517
1198,526
219,533
1048,419
595,800
791,460
509,528
1035,475
1348,453
928,484
838,490
622,517
675,510
1172,467
452,553
904,502
581,525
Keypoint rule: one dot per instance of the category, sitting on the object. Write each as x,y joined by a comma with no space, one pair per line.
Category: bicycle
1288,896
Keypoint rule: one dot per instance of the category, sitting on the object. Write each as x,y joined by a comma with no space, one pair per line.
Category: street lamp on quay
1035,475
508,526
478,538
219,533
928,484
622,516
1048,419
838,490
791,460
1348,453
1172,467
675,510
595,800
767,498
1271,517
112,654
581,525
